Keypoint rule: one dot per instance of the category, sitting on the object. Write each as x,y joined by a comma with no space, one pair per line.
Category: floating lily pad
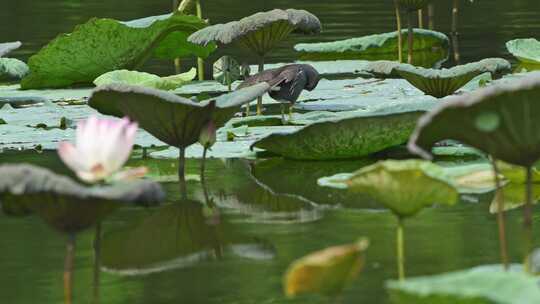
372,46
327,271
350,137
485,286
64,204
259,32
405,187
525,50
184,118
146,79
103,45
12,69
7,47
499,120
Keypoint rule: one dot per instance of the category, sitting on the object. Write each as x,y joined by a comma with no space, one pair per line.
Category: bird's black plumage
286,82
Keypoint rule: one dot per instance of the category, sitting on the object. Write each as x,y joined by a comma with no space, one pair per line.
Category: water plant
146,79
259,33
115,45
405,188
11,68
68,206
172,119
226,71
525,50
411,6
327,271
499,120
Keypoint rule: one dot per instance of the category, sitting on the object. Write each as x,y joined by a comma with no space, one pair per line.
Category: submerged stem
499,196
400,35
259,99
200,61
410,44
181,172
527,219
400,250
97,262
68,269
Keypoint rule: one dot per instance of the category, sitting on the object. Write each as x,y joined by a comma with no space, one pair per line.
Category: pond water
234,244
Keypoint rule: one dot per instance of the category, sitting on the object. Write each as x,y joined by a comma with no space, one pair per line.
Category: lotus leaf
371,45
146,79
327,271
12,69
514,197
499,120
351,137
172,119
103,45
226,70
7,47
259,32
405,187
64,204
482,286
525,50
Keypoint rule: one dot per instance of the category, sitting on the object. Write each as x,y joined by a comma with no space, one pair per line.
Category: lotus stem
431,16
455,34
420,18
177,66
400,250
259,99
400,35
68,269
410,44
290,112
282,107
181,171
228,80
200,61
97,262
527,219
203,162
503,247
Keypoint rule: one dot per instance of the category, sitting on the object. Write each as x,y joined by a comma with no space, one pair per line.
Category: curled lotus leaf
414,4
146,79
386,43
102,45
405,187
326,271
65,204
443,82
500,120
525,50
259,32
489,285
12,69
172,119
353,136
7,47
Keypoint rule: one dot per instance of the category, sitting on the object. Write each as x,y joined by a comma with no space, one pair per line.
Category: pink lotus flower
102,147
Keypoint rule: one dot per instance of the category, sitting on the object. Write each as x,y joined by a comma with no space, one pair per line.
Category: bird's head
313,77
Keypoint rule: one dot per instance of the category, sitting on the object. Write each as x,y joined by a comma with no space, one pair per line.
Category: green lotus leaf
414,4
259,32
369,47
103,45
327,271
443,82
172,119
525,50
500,120
12,69
146,79
64,204
471,286
514,197
350,137
405,187
7,47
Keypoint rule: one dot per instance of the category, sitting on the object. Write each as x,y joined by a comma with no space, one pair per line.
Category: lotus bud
207,138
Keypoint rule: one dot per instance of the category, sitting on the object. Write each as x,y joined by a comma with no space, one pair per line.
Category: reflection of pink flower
101,149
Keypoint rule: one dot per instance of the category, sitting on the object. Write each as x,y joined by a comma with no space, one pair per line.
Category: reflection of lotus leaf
350,137
525,50
492,285
405,187
172,119
65,204
371,46
443,82
104,45
511,137
259,32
